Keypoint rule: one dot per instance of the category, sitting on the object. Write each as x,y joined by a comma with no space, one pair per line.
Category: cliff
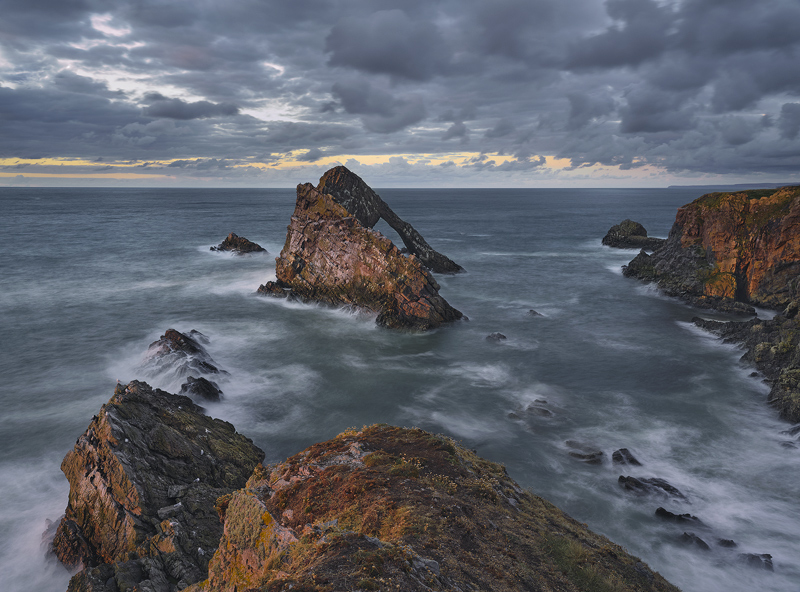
144,478
730,250
330,256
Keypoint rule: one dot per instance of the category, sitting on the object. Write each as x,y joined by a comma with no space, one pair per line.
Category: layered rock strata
631,235
401,509
730,250
144,479
331,257
773,346
238,245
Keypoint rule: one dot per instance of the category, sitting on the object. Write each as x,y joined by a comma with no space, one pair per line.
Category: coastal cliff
144,479
331,257
729,251
158,503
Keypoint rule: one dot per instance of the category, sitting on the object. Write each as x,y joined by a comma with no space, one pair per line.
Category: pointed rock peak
350,191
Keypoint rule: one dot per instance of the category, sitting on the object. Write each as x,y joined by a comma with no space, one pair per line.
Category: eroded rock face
730,250
239,245
144,478
393,508
631,235
330,257
358,198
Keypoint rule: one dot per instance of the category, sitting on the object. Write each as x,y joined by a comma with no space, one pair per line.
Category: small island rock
631,235
238,245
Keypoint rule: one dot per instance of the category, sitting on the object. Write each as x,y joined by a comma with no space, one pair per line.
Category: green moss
573,560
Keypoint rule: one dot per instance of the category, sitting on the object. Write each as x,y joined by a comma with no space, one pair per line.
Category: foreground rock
729,251
395,509
631,235
238,245
331,257
773,345
144,479
358,198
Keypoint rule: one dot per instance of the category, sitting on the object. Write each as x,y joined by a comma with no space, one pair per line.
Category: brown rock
330,257
143,482
239,245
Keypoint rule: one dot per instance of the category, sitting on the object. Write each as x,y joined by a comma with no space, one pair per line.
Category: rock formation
331,257
239,245
144,479
358,198
181,354
773,345
631,235
201,388
730,250
401,509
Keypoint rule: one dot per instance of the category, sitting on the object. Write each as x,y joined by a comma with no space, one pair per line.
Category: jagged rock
143,483
757,560
691,539
202,388
401,509
680,518
623,456
650,486
533,313
358,198
730,250
631,235
773,345
330,257
181,354
239,245
727,543
496,337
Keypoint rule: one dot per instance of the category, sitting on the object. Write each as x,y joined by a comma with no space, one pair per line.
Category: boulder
496,337
238,245
729,251
401,509
331,257
631,235
585,452
623,456
757,560
201,388
144,479
692,540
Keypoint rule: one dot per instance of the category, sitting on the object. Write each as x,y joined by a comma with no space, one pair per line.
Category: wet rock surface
181,354
331,257
650,486
730,251
238,245
201,388
623,456
496,337
631,235
144,479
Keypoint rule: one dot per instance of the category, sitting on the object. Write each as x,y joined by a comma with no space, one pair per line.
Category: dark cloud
311,155
160,106
382,111
789,121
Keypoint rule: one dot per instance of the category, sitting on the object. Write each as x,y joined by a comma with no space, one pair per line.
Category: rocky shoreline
729,252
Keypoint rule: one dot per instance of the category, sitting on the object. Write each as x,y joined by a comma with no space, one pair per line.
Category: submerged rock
496,337
585,452
680,518
691,539
650,486
201,388
239,245
181,354
729,251
331,257
623,456
631,235
757,560
144,479
401,509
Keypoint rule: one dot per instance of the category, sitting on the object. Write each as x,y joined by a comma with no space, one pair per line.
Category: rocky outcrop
631,235
401,509
730,250
144,479
358,198
201,388
330,257
773,346
180,354
238,245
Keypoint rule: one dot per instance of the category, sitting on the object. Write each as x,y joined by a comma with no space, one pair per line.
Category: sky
434,93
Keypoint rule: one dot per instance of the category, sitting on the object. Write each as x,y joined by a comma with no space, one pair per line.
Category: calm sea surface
90,277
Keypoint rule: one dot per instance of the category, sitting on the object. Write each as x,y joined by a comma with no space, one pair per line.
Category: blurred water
90,277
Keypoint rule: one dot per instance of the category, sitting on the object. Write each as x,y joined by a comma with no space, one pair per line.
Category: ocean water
90,277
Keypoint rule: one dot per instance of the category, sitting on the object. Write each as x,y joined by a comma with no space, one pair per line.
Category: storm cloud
685,87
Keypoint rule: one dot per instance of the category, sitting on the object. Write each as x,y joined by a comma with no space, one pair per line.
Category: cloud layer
229,90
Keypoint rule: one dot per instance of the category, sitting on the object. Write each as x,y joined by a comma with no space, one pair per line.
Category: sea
89,278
